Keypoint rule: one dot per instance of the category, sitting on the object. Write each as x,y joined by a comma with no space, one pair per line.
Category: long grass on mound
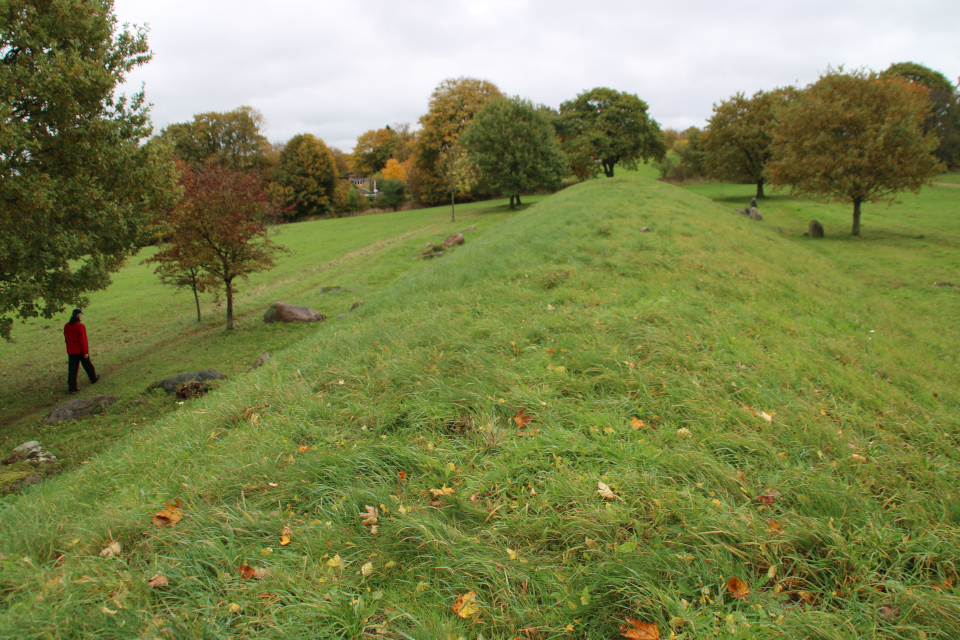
706,401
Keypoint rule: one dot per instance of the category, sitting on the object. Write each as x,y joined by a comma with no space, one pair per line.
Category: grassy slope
141,332
571,313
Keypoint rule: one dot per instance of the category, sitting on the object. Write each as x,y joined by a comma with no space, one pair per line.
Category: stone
944,284
431,251
23,452
170,384
282,312
472,227
453,239
261,360
645,230
815,230
79,407
329,289
755,214
356,305
753,203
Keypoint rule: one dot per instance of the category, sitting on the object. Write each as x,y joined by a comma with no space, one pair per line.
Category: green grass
698,330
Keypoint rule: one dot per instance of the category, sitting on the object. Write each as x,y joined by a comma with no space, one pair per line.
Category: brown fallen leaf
369,517
738,588
111,550
636,630
157,581
466,605
521,419
250,573
889,612
769,496
169,516
606,492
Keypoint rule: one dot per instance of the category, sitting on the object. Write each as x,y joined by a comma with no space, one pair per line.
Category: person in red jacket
75,335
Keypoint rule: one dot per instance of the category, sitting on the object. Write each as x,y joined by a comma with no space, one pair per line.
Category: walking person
75,335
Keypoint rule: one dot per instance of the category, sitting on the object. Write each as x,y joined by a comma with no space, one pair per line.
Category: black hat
77,312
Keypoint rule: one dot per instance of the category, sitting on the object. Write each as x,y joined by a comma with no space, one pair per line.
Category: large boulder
79,407
282,312
453,239
27,464
815,229
170,384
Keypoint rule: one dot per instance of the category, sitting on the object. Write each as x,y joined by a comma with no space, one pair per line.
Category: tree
394,170
610,127
944,118
76,184
233,139
393,193
372,151
515,147
738,138
458,173
181,264
220,225
854,137
341,160
452,107
305,178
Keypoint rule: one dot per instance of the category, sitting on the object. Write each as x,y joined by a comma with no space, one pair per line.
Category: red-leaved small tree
219,226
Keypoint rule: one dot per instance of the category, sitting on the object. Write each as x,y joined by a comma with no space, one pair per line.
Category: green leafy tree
393,193
609,127
738,139
458,173
220,226
306,178
452,107
233,139
372,151
76,184
516,149
181,264
854,137
944,117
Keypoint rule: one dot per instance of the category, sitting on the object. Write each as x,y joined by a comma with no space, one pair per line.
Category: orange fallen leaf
285,534
636,423
157,581
403,476
303,449
636,630
773,524
249,573
466,605
738,588
443,491
521,419
171,515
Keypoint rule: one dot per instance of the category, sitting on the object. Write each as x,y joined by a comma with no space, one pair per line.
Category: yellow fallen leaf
512,554
636,423
606,493
285,534
366,569
443,491
717,502
466,605
336,561
766,416
235,608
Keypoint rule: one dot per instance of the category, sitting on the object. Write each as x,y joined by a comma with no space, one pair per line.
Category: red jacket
76,336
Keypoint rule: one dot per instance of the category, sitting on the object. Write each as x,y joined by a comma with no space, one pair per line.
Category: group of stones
814,230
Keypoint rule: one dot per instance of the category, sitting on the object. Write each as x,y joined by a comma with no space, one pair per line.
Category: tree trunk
196,298
856,218
760,188
518,201
229,287
512,207
453,209
607,168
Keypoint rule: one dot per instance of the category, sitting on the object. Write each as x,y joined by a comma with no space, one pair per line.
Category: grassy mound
573,420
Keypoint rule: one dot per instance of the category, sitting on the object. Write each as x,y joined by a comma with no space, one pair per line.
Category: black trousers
74,366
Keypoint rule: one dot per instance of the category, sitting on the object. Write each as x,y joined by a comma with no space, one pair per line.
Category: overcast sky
337,69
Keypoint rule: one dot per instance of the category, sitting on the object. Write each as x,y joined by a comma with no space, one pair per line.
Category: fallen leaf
374,530
738,588
285,534
466,606
769,496
303,449
683,431
169,516
766,416
513,554
272,484
521,419
250,573
636,423
366,569
773,524
111,550
606,493
889,612
806,596
858,458
336,562
636,630
157,581
403,476
443,491
369,517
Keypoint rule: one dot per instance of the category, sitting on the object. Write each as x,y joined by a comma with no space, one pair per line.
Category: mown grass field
708,400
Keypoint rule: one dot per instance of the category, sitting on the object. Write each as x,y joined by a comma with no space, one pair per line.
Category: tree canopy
452,107
76,185
219,226
306,178
854,137
738,139
944,117
610,127
515,147
233,139
372,151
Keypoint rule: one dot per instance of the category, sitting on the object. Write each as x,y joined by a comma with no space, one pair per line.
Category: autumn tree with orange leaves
218,229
